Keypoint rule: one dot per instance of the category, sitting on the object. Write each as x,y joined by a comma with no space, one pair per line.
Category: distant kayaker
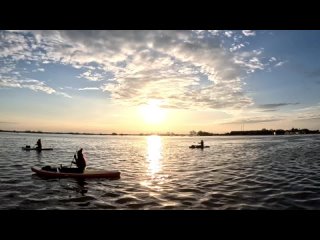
39,145
80,161
201,144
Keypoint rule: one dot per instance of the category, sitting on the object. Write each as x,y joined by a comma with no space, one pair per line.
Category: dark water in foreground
261,172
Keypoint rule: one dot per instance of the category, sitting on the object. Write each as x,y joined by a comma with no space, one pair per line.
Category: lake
241,172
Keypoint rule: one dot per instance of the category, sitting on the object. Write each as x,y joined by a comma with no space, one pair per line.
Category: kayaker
39,145
201,144
80,161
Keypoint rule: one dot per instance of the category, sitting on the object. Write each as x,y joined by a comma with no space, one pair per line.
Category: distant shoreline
292,131
104,134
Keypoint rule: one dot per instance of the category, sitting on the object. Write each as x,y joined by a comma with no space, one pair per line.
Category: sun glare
152,113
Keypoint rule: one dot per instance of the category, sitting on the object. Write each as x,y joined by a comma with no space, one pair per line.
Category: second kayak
42,149
198,146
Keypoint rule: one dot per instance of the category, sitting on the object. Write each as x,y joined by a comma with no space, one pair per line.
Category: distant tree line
263,131
275,132
202,133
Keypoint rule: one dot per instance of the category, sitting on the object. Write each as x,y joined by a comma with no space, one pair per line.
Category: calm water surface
260,172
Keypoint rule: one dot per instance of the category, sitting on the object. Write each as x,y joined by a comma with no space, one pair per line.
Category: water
243,172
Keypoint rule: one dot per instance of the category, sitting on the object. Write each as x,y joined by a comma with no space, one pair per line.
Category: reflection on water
154,154
39,156
78,186
81,186
154,158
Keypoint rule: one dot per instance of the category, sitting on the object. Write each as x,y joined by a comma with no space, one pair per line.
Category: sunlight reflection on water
154,155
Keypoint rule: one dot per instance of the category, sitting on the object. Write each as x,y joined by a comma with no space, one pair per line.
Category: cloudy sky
159,81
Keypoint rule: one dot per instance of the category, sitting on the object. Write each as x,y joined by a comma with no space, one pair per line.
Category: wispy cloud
88,89
38,70
248,33
304,118
307,113
8,122
254,120
36,85
275,105
236,47
279,64
9,83
62,94
268,110
92,76
32,84
228,33
272,59
249,61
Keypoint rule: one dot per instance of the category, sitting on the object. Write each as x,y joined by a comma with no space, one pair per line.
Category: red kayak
85,174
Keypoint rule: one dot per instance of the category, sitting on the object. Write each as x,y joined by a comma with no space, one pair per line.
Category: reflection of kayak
42,149
198,146
86,174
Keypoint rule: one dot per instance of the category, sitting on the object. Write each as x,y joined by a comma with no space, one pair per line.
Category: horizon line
155,133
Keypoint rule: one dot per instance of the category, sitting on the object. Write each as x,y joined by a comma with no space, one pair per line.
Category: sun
152,113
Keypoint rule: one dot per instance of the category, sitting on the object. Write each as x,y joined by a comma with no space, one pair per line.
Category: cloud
301,118
268,110
272,59
276,105
228,33
279,64
255,116
13,45
88,89
307,113
7,66
254,120
38,70
31,84
62,94
91,76
236,47
8,83
3,122
135,66
214,32
249,61
248,33
36,85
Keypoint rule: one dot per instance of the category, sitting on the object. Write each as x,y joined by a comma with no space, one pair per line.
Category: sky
131,81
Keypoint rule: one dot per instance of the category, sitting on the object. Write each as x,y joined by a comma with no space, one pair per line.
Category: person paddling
80,161
39,145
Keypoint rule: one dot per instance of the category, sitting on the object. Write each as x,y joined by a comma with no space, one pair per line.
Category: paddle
74,156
